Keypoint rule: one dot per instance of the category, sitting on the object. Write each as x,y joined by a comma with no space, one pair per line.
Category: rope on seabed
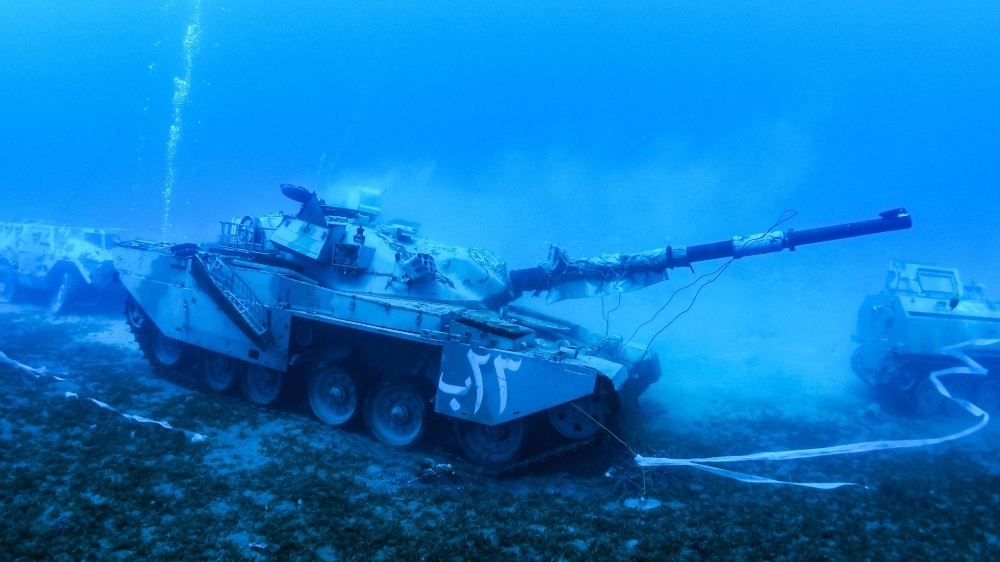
41,372
37,373
971,367
602,426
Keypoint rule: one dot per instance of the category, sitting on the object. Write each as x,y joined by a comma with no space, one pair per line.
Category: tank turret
316,240
383,324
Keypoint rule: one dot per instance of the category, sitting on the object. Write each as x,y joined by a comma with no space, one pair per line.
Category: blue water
508,126
836,111
602,128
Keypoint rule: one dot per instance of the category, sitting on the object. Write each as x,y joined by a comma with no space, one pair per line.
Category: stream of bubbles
182,87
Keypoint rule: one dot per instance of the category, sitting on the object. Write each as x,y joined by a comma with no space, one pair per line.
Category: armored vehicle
904,333
360,315
67,263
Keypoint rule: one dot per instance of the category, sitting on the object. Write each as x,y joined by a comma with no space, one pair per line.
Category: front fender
490,386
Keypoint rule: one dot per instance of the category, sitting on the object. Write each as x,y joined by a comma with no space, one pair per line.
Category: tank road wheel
8,283
158,349
333,396
261,385
219,372
134,314
491,446
867,375
987,397
395,414
169,352
925,398
576,419
68,287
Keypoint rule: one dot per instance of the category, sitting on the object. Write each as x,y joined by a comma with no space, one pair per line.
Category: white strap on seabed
37,373
970,367
40,372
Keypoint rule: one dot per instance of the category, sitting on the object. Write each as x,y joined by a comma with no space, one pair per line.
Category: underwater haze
600,127
512,125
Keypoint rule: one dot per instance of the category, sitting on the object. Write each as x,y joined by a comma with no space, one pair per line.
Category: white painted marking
476,361
500,364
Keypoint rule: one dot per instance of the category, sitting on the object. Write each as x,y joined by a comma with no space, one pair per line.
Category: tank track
141,333
541,457
905,379
144,333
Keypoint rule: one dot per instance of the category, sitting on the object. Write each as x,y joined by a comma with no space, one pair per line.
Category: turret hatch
303,238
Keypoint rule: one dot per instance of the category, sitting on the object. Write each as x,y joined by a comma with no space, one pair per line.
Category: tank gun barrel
564,277
776,241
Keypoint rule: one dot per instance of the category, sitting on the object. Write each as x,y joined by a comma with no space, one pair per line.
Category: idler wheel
168,352
579,419
988,397
219,372
332,395
491,446
261,385
8,283
134,314
395,414
67,289
925,398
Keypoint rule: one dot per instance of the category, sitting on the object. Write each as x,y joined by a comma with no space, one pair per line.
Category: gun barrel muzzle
776,241
896,219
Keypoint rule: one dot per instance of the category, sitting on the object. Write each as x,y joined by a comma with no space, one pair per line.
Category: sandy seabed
81,483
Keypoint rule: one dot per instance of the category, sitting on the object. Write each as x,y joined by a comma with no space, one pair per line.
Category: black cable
607,323
607,317
72,200
720,271
717,273
666,304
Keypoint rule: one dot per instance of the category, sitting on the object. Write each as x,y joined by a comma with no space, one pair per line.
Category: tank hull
474,367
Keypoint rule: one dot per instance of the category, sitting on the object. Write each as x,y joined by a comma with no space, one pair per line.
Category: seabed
81,483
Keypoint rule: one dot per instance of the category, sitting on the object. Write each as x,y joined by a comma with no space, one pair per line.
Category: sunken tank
909,330
367,320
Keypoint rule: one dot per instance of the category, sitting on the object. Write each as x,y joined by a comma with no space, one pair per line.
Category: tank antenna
86,180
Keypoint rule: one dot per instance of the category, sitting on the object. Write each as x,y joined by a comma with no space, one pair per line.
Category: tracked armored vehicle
367,319
68,264
905,331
